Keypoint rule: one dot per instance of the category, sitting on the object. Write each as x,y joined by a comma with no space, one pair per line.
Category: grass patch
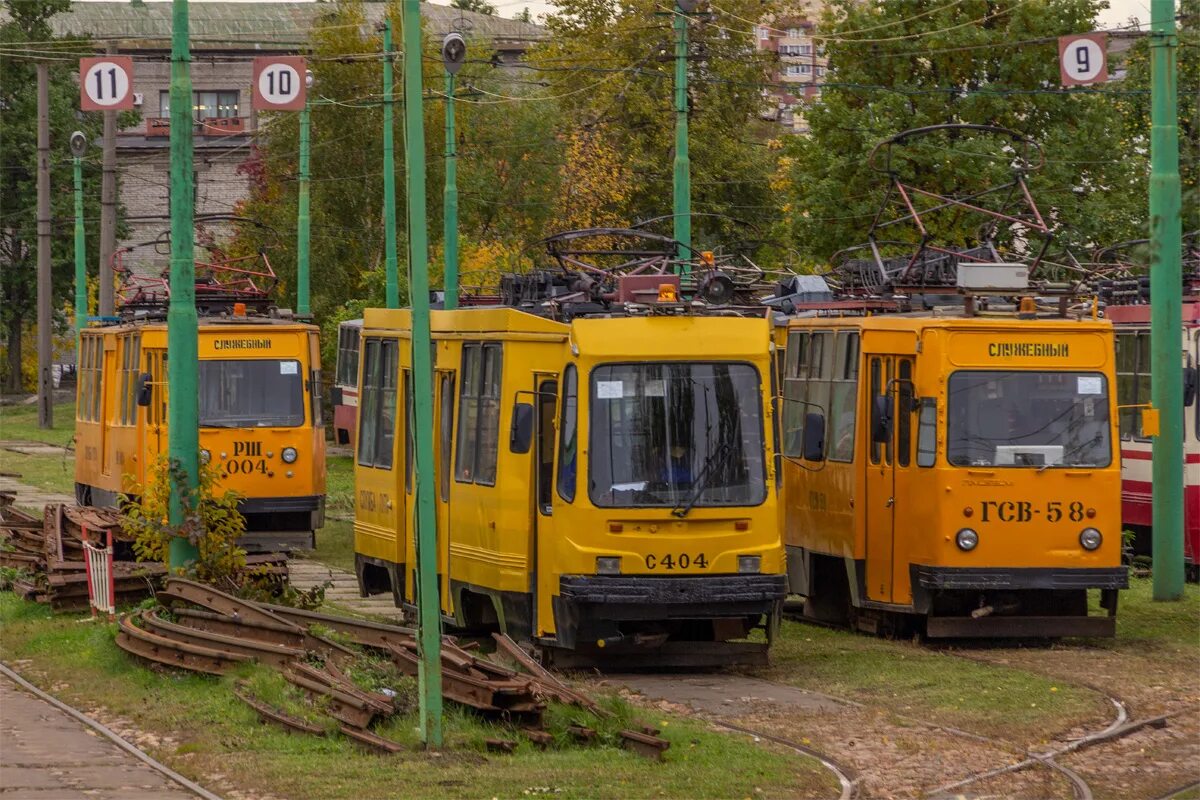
210,731
1170,628
339,485
335,544
916,681
48,473
21,423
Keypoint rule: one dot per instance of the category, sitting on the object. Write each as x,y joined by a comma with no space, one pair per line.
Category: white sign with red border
1083,59
279,83
106,83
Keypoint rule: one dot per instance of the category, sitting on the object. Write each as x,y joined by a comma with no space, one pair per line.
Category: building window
798,69
793,33
820,72
763,33
205,104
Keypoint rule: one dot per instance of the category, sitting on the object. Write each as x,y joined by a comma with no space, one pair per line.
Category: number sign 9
279,83
1083,59
105,83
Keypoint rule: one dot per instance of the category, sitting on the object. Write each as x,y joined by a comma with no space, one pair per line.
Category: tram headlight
289,455
1090,538
750,565
966,539
608,565
205,456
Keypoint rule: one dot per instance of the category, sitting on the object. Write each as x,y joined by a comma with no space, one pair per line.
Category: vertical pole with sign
183,412
429,634
281,84
1166,311
392,289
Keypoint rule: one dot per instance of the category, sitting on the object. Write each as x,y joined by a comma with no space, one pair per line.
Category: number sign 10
279,83
105,83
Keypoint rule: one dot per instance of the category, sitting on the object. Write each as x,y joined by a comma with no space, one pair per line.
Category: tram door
889,421
545,413
155,438
443,426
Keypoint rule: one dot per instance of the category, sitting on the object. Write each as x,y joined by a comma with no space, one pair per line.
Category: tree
524,16
29,22
994,62
478,6
612,66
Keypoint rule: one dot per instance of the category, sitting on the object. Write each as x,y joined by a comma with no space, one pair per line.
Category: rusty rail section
227,631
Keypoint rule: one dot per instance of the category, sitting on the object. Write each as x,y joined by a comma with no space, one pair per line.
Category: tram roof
918,320
212,324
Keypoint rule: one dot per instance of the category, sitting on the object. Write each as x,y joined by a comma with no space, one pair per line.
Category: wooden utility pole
45,384
108,207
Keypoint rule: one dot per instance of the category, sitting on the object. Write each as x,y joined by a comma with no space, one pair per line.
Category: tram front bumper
1017,602
593,607
282,523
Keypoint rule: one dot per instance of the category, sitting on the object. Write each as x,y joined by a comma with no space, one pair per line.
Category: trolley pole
450,202
81,292
389,174
1166,326
683,169
183,424
429,634
302,217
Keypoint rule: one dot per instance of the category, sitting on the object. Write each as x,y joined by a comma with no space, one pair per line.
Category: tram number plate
246,466
676,561
1027,511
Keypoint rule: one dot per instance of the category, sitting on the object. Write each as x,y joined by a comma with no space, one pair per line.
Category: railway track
1117,727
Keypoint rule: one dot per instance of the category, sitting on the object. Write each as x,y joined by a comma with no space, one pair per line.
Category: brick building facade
224,36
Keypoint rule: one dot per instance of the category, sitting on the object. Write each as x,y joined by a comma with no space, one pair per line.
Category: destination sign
242,344
1028,350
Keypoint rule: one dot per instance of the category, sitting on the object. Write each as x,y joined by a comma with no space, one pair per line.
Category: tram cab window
679,434
479,414
377,414
251,393
568,451
822,378
1028,419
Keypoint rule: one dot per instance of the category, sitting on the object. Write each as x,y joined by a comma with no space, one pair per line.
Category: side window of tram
377,422
903,412
91,376
130,358
822,379
478,414
568,450
1133,380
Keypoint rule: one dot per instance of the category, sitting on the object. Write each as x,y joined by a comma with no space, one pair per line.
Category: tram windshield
258,393
676,434
1028,419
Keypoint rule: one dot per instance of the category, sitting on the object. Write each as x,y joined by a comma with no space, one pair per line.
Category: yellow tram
260,418
952,474
605,485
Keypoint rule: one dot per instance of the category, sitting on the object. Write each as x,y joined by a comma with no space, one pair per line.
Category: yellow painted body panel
116,445
893,516
496,537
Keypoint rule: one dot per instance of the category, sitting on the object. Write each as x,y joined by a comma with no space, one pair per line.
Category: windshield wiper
702,479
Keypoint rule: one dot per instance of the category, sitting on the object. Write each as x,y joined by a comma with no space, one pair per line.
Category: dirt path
46,754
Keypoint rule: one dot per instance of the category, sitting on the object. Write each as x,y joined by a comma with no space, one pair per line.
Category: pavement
304,574
31,496
45,754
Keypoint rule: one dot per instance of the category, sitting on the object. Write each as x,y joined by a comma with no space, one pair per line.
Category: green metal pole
450,203
302,281
389,174
1166,326
429,635
81,292
183,438
683,169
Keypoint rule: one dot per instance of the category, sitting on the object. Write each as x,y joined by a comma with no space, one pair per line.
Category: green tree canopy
993,62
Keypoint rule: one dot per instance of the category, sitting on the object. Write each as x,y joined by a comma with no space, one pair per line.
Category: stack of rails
49,553
226,631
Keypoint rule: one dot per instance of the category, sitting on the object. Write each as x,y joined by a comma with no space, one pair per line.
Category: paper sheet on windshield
1090,384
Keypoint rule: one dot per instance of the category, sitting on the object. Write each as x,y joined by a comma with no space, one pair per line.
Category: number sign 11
1083,59
106,83
279,83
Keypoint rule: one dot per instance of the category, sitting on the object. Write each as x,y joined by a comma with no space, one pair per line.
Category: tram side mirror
813,446
144,389
881,418
1189,385
520,435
